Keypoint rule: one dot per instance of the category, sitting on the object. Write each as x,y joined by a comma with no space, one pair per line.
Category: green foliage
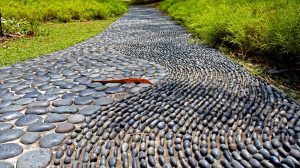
21,27
137,2
266,28
61,10
59,36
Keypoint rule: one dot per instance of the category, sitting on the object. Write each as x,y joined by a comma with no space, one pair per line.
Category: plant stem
1,31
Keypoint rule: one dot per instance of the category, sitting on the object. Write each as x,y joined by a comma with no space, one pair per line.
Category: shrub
266,28
61,10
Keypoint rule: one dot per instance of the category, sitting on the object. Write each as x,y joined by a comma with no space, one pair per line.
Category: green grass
58,36
258,34
265,29
61,10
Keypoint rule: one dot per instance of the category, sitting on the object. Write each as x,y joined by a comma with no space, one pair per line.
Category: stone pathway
203,111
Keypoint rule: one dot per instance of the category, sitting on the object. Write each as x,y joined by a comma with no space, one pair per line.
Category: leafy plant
61,10
265,28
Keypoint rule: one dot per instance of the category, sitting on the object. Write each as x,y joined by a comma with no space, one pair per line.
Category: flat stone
12,108
5,126
62,102
54,91
69,96
51,140
47,97
40,127
112,90
128,85
37,110
24,101
136,90
10,134
65,127
53,118
83,100
38,104
34,94
76,118
65,109
11,98
112,84
10,150
6,165
30,137
35,159
103,101
144,85
5,104
10,116
28,119
87,92
78,88
101,88
98,95
89,110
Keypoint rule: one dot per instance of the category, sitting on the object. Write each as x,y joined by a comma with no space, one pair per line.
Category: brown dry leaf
128,80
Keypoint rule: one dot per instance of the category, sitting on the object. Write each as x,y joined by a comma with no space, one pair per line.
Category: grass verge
57,37
61,10
262,35
263,28
285,81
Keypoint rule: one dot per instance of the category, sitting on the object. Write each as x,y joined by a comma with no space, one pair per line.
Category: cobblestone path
202,110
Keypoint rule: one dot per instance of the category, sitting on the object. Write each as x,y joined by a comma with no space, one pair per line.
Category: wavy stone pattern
42,100
208,111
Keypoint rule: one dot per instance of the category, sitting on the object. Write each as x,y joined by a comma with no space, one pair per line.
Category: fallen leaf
128,80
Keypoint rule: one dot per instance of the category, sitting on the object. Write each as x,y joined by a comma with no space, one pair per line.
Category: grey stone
65,109
101,88
87,92
51,140
136,90
38,104
53,118
83,100
5,104
76,118
112,84
24,101
30,137
10,150
12,108
62,102
104,101
47,97
89,110
6,165
10,134
35,159
98,95
10,116
5,126
28,119
37,110
40,127
65,127
112,90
